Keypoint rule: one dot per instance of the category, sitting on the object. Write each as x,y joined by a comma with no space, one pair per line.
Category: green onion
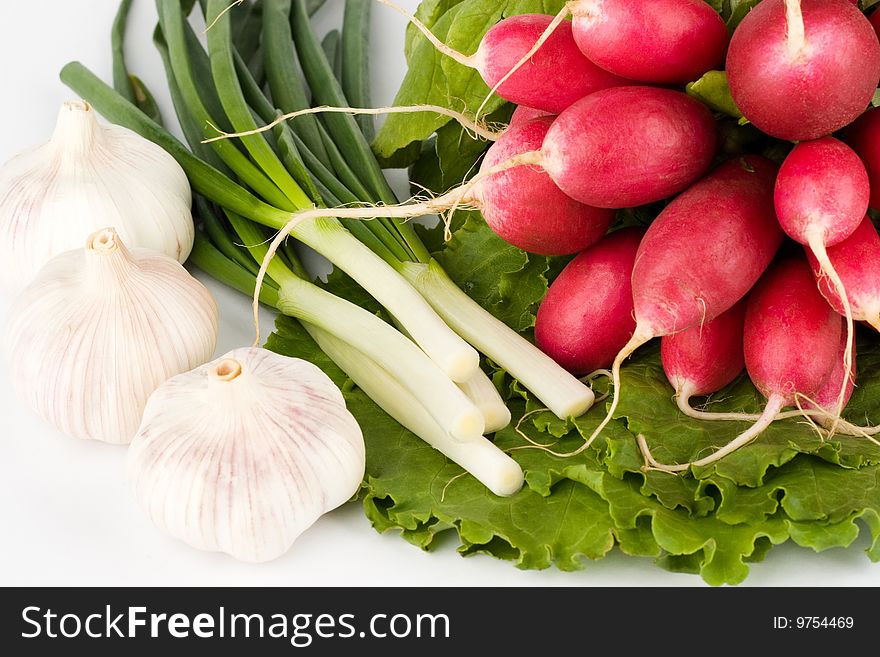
366,332
356,61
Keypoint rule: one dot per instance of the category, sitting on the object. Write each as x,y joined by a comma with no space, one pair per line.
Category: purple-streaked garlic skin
243,454
99,329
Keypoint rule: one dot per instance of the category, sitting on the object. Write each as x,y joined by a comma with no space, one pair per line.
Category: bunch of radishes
599,133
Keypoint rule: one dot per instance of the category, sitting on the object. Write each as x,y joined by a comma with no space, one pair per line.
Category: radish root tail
221,15
771,411
637,340
551,28
817,245
461,58
843,427
489,132
683,398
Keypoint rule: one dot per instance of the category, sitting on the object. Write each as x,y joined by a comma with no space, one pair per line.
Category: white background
66,514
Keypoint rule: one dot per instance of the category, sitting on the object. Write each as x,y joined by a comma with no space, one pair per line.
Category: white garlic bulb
100,329
85,177
243,454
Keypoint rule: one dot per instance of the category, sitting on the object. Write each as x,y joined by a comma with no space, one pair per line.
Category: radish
521,59
791,343
864,138
587,314
857,263
703,359
628,146
524,114
701,255
662,41
801,69
828,396
821,197
525,208
616,148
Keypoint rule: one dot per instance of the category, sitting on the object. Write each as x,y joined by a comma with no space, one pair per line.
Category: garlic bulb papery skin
100,329
88,176
245,453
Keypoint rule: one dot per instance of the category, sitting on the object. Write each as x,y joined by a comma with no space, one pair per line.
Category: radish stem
794,26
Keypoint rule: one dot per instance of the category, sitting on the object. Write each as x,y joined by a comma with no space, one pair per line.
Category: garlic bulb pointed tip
89,175
99,329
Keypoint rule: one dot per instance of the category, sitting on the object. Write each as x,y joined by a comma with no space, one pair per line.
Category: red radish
522,57
828,396
821,197
703,359
864,138
662,41
539,82
826,399
616,148
791,343
857,262
874,20
587,314
706,249
524,114
801,69
628,146
822,192
701,255
525,208
791,336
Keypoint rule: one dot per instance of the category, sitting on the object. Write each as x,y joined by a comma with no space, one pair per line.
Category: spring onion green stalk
283,76
327,237
117,39
129,86
331,44
355,60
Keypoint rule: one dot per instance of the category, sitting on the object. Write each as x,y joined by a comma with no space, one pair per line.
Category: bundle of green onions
426,372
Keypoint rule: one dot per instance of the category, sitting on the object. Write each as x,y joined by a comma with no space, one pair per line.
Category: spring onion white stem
448,405
488,464
454,356
557,389
480,390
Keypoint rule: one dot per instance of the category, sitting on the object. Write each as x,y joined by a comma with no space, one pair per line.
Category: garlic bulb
243,454
100,329
85,177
